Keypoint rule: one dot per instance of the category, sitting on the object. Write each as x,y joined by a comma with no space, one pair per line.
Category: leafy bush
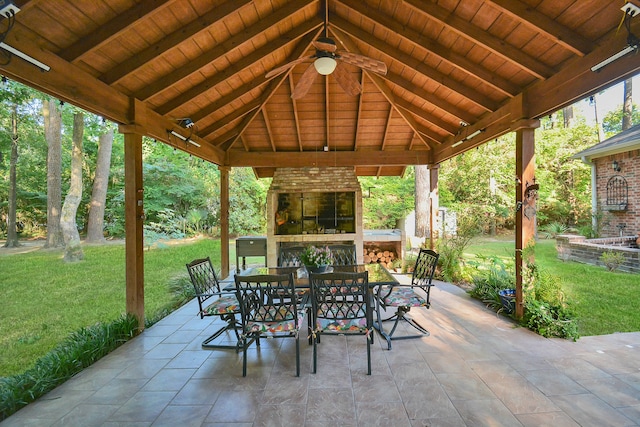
551,230
491,276
612,259
79,350
546,311
452,247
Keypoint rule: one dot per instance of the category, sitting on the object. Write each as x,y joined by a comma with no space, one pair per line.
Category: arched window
617,193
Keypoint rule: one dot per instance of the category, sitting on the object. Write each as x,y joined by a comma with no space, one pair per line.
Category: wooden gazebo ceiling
455,67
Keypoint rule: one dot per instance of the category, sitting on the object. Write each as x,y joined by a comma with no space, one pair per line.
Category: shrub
79,350
551,230
612,259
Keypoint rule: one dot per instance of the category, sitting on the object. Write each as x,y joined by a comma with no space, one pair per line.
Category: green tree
387,199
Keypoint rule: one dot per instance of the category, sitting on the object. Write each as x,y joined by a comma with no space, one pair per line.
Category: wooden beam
134,224
422,42
418,66
183,33
559,33
434,204
525,207
221,49
296,159
296,118
482,38
226,120
233,69
224,220
112,29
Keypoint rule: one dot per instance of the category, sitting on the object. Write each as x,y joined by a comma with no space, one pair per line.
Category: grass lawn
44,299
604,302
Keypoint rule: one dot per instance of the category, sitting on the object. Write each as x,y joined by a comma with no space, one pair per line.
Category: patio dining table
378,276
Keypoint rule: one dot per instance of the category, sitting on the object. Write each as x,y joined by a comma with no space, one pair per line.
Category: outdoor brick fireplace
313,206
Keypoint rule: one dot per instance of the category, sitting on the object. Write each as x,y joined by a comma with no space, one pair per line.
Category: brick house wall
611,220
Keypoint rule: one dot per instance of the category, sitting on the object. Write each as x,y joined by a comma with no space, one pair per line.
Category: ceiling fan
328,60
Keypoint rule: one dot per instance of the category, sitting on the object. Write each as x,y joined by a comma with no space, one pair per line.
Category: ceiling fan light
325,65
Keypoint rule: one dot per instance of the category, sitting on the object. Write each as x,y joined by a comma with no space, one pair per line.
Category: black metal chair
269,306
404,297
343,254
224,304
290,256
341,305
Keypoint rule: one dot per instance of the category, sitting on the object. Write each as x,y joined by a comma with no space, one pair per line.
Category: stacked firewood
377,255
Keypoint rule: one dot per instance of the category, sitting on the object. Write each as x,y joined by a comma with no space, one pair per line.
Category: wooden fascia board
296,159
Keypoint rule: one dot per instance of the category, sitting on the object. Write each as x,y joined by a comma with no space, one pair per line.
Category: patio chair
224,304
343,254
290,256
404,297
269,306
341,305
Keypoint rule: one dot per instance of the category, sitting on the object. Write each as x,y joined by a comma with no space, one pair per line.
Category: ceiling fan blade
285,67
326,44
305,82
345,79
363,62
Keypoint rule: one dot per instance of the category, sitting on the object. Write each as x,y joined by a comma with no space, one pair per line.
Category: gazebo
198,75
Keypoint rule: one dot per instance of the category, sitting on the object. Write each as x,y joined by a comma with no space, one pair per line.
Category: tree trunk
12,233
422,200
567,112
627,107
52,133
95,224
72,250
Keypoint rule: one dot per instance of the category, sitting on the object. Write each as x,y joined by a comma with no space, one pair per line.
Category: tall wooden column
224,219
433,204
134,221
525,204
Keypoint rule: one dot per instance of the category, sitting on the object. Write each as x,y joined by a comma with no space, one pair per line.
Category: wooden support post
224,219
433,204
525,205
134,221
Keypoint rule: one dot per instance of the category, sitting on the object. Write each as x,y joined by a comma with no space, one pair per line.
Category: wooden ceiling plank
487,76
327,122
244,63
221,49
91,42
172,40
557,32
480,37
418,66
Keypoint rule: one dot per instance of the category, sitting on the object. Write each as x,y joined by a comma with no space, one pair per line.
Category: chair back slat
343,254
290,256
340,296
424,268
204,279
267,298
